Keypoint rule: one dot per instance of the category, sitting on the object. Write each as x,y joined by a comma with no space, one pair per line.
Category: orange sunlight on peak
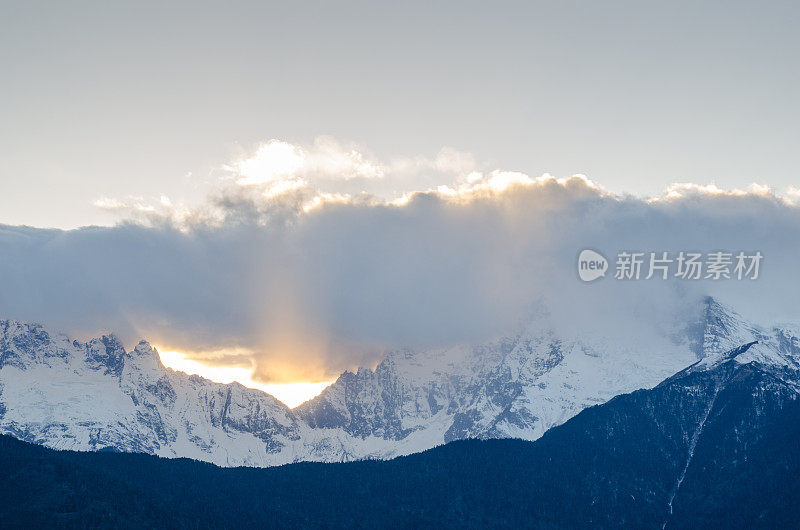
291,394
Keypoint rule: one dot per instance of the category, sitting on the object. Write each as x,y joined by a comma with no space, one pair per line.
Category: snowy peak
25,344
144,349
723,329
146,358
87,396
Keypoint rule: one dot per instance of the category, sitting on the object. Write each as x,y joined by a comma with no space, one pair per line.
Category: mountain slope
708,447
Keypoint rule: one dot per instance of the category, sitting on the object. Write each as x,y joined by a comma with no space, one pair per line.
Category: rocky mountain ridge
91,396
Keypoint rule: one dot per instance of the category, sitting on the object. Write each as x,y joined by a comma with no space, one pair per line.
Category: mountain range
96,395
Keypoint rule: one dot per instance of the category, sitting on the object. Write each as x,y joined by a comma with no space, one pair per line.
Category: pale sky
267,154
134,101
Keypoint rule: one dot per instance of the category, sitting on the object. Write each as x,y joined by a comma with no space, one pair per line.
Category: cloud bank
287,267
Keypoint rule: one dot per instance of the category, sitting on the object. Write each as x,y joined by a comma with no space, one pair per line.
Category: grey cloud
313,293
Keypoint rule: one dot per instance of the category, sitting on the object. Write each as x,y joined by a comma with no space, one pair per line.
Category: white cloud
326,158
329,167
110,204
689,189
500,180
272,161
793,194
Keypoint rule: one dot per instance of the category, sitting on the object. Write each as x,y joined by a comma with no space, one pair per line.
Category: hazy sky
131,101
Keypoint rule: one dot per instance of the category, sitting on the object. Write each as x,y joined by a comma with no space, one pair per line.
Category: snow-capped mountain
95,395
90,396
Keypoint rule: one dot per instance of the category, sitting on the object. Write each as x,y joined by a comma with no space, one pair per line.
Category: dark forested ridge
708,448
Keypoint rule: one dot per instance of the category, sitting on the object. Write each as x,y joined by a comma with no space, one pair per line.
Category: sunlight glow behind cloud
277,160
291,394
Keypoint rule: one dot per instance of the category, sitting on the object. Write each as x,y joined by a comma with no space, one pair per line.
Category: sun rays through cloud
291,394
